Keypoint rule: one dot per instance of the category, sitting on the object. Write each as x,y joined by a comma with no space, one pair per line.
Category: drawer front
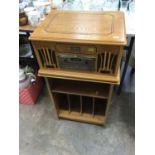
75,62
81,49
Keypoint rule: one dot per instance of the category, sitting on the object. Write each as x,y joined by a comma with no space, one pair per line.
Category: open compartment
87,105
78,104
74,103
100,106
61,101
83,88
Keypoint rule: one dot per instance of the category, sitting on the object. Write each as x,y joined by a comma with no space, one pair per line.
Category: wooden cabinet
79,54
101,59
80,100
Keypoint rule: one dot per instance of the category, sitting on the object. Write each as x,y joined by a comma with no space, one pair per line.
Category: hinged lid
82,27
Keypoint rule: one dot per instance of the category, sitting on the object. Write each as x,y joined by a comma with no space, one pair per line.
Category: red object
30,94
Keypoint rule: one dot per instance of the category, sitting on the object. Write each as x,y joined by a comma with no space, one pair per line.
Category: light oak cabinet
79,54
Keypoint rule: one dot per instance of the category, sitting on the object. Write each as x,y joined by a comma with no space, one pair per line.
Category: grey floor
42,134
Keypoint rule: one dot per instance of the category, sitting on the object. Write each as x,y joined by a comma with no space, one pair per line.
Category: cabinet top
97,27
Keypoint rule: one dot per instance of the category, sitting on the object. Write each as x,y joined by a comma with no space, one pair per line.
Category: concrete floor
42,134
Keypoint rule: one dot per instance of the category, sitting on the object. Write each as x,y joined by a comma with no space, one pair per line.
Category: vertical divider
48,55
80,105
93,107
45,55
111,63
69,103
52,57
105,60
109,56
101,60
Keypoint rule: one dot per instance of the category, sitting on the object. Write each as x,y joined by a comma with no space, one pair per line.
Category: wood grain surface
97,27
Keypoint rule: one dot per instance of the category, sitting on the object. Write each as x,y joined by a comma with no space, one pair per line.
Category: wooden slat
105,59
43,57
54,65
81,105
112,62
49,57
52,57
44,51
93,108
101,61
109,56
69,103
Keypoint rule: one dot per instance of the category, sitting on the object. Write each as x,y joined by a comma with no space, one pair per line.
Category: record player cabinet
79,55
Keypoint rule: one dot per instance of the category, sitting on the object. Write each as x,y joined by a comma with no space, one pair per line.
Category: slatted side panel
107,62
48,58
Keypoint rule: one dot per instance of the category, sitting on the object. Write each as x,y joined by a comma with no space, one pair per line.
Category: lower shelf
81,108
85,117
